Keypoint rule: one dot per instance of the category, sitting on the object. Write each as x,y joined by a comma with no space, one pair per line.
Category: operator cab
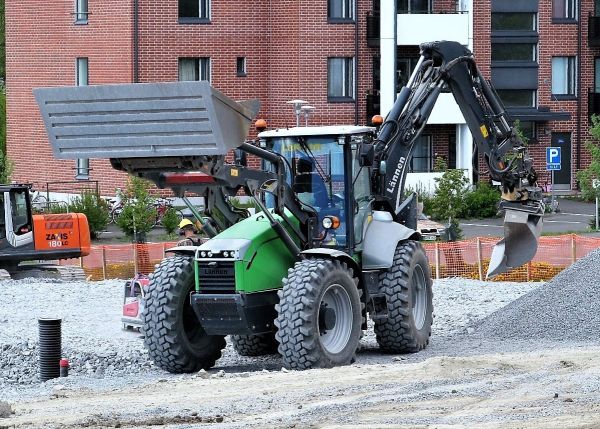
324,171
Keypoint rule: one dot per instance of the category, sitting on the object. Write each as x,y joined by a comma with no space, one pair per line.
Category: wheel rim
419,297
335,333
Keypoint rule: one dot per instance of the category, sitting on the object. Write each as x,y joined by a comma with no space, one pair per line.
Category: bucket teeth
519,245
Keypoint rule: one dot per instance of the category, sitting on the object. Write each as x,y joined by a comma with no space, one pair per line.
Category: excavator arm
449,66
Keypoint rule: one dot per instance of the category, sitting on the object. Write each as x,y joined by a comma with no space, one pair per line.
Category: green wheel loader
332,241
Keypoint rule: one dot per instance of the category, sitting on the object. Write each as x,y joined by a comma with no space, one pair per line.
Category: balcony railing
593,103
594,31
373,25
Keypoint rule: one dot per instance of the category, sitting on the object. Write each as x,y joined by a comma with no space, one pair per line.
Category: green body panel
266,261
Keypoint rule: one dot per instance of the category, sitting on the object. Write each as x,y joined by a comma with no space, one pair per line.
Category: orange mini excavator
26,238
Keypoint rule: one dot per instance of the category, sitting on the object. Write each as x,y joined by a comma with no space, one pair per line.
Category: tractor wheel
407,288
319,315
173,336
255,345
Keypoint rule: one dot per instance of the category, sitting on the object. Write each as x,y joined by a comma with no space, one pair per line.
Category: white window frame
82,78
347,76
204,12
347,10
564,76
428,140
410,7
570,9
202,68
81,11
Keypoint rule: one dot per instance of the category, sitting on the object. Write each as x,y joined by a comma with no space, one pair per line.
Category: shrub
448,201
170,220
94,208
138,214
482,202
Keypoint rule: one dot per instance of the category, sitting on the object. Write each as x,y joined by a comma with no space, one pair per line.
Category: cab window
20,211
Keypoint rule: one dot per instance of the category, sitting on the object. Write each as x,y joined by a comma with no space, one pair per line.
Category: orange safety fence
470,258
467,258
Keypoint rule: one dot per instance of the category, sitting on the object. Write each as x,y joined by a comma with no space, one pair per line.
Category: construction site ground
502,355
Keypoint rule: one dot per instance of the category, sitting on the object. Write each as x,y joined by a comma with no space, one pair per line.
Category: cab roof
330,130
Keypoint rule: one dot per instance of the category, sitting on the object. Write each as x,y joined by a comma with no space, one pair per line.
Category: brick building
346,57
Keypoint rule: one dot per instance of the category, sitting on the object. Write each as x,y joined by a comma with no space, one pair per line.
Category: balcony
373,25
414,29
594,31
446,111
593,103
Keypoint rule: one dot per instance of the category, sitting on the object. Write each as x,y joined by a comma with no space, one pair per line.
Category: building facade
347,58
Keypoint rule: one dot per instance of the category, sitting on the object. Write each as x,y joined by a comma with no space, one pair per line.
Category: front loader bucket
155,120
519,245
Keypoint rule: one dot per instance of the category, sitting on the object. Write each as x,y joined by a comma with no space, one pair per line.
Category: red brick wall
42,45
286,45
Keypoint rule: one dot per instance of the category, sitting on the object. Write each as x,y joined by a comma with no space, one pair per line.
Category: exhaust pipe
522,229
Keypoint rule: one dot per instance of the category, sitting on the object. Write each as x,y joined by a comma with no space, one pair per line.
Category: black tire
407,287
311,333
173,336
255,345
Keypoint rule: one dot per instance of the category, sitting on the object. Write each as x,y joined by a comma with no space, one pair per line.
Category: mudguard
333,254
381,239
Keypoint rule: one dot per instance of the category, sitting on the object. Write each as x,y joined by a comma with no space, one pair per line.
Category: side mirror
366,155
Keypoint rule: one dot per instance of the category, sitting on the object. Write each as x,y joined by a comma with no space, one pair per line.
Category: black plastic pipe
49,348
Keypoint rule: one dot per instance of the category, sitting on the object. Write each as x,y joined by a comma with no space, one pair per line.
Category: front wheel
407,287
319,315
173,335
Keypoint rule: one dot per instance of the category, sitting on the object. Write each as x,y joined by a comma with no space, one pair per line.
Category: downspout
356,74
136,50
579,92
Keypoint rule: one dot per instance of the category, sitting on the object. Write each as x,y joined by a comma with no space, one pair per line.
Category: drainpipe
136,50
579,91
356,95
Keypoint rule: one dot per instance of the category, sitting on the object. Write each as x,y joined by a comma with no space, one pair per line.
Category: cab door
17,216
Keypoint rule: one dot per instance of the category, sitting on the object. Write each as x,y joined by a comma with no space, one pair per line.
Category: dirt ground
547,389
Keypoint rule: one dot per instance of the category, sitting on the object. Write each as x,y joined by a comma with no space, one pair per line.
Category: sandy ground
548,389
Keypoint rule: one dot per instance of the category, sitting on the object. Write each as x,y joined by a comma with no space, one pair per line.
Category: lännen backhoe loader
334,241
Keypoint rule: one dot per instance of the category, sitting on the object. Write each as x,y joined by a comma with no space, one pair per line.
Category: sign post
596,185
552,164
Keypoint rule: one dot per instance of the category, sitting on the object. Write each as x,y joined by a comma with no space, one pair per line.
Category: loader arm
450,66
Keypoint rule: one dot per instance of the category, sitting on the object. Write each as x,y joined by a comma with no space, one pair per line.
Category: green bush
138,213
448,201
170,221
588,174
482,202
6,166
94,208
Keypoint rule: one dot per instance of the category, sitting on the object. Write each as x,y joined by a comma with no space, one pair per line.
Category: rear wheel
319,315
407,287
255,345
173,335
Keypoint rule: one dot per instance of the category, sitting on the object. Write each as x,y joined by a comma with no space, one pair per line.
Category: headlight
330,222
327,223
226,254
210,254
203,254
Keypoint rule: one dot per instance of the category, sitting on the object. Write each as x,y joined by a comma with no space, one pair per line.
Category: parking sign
553,158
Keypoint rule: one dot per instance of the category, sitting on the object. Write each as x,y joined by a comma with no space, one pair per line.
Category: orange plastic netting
467,258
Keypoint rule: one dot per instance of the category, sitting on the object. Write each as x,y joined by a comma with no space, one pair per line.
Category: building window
340,79
514,21
81,11
194,69
340,10
514,52
194,11
241,66
564,9
421,161
82,167
413,6
517,97
528,129
597,75
563,76
404,69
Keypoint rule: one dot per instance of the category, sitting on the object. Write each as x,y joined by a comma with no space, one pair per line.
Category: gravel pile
565,311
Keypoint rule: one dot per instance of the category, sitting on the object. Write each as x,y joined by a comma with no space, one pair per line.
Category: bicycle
161,205
115,207
39,202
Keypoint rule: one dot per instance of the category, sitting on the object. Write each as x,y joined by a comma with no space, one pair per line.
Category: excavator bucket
522,230
177,119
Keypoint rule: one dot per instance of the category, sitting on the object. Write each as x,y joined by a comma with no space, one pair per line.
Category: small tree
94,208
170,220
448,202
138,212
588,174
